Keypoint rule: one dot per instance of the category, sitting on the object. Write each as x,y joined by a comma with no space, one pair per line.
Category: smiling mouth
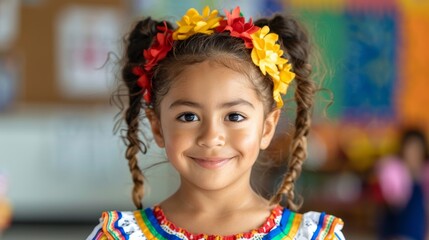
211,163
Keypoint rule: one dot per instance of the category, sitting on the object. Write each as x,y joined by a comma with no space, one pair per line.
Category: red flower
159,49
147,96
143,82
238,27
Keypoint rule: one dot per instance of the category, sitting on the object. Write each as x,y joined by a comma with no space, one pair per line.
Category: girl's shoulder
117,225
148,224
316,225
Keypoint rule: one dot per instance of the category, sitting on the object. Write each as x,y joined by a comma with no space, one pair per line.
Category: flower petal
206,11
193,23
255,58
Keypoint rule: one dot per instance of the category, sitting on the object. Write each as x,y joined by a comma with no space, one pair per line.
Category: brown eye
188,117
235,117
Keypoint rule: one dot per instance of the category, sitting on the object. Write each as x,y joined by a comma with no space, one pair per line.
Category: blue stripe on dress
281,227
319,226
121,229
285,218
154,222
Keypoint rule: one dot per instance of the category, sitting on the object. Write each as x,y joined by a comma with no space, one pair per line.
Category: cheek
248,140
176,141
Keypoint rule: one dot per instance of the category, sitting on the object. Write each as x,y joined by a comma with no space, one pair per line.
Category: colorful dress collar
152,224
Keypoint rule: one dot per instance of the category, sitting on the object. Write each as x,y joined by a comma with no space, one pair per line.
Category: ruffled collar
270,223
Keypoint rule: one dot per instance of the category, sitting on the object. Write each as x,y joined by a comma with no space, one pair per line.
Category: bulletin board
37,47
376,56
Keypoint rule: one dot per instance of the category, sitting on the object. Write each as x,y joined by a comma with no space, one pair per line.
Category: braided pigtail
294,40
139,39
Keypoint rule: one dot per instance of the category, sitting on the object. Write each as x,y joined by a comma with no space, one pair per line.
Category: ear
155,125
270,124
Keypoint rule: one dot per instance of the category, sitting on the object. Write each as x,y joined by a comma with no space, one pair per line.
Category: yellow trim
104,237
295,225
143,226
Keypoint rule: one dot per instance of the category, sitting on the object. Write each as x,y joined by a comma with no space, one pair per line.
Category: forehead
212,81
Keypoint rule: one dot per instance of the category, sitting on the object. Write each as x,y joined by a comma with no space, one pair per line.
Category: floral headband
266,53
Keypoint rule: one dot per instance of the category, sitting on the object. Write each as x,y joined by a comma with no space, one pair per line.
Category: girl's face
212,126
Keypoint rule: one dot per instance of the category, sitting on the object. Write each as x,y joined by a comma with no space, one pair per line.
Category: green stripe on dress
150,227
284,233
112,218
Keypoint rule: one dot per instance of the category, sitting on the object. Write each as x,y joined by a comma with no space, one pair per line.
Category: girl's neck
217,212
237,196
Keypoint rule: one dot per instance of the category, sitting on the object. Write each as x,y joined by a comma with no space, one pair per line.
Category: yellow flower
192,22
267,54
281,85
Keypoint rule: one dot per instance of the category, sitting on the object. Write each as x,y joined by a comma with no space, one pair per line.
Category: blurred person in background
403,181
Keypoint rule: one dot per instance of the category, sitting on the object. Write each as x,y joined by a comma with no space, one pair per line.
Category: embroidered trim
155,225
152,224
288,227
326,227
111,228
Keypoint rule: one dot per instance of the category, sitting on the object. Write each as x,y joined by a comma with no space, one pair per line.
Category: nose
212,134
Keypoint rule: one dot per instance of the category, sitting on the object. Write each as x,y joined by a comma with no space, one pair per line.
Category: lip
211,163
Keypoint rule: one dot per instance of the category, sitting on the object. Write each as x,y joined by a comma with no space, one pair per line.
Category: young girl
211,90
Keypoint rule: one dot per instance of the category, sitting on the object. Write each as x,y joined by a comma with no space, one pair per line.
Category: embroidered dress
152,224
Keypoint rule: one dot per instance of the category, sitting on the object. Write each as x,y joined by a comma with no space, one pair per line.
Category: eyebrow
182,102
239,101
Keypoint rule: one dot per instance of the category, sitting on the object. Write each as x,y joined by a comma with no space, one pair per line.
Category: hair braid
132,120
303,97
294,39
140,38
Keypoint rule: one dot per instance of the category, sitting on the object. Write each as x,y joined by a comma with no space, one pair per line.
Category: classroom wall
58,149
62,159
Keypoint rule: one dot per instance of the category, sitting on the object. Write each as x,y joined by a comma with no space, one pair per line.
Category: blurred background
61,164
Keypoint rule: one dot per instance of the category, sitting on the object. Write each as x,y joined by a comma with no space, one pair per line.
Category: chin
210,185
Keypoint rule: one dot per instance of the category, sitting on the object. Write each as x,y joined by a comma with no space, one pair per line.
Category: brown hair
295,41
231,52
